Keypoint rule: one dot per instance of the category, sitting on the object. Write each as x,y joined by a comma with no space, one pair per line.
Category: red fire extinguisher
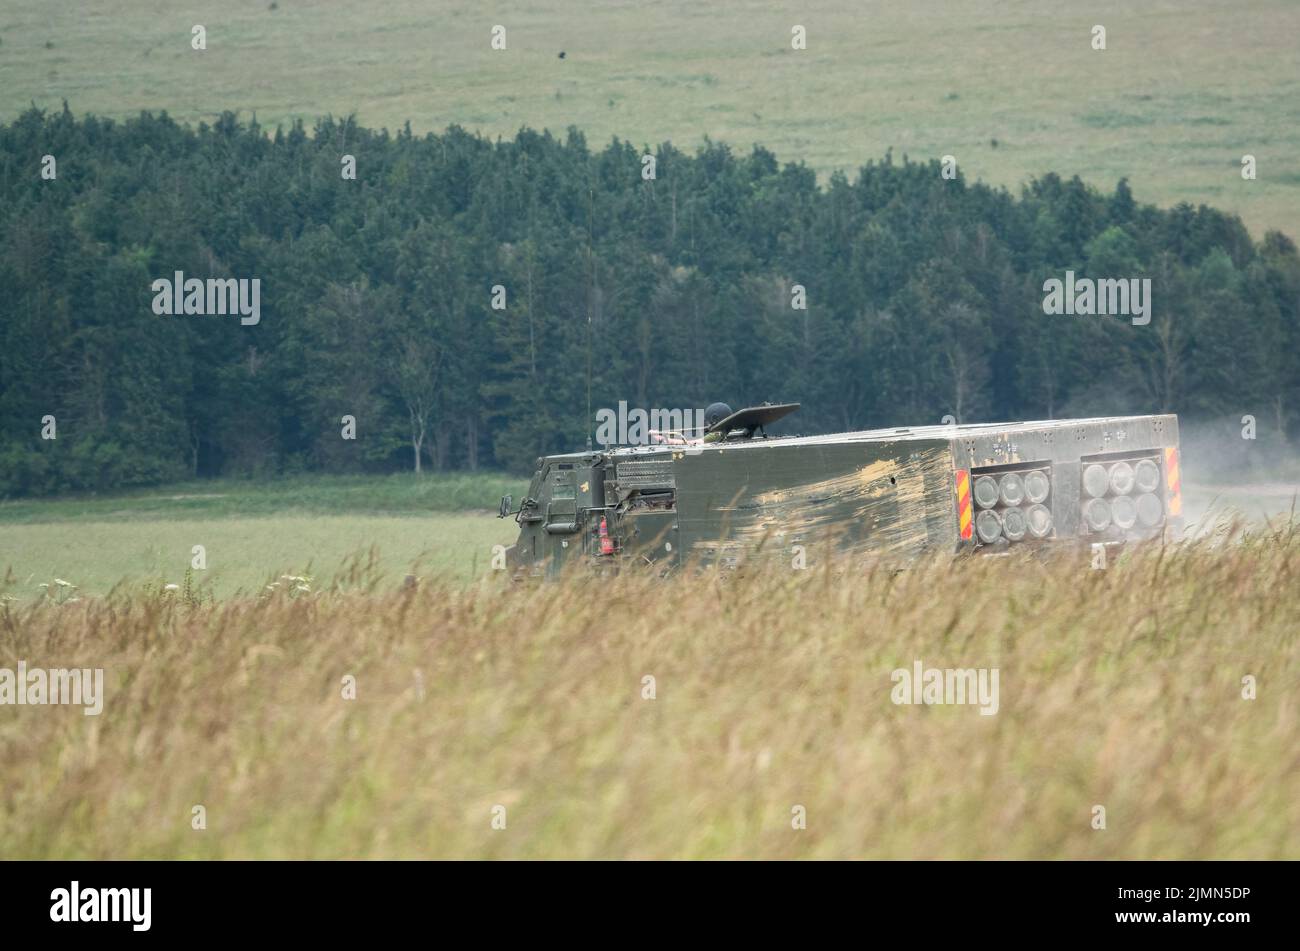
606,543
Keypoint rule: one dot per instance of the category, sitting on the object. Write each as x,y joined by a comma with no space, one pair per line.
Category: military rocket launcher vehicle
891,493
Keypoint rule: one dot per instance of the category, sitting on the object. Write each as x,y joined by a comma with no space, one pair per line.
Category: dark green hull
890,495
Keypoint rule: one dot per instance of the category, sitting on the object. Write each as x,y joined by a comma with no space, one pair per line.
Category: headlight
986,492
1121,478
1149,510
1014,524
988,526
1011,489
1146,475
1097,514
1039,518
1095,480
1037,486
1124,511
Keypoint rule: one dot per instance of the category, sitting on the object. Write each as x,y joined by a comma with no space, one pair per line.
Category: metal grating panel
643,472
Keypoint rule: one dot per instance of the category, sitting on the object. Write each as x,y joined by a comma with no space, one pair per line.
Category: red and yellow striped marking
1174,483
964,518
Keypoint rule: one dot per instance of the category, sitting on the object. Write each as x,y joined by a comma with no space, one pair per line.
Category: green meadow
1011,89
253,533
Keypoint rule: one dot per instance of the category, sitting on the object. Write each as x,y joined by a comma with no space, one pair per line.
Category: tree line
460,296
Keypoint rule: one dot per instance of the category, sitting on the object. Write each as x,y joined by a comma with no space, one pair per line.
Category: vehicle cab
560,516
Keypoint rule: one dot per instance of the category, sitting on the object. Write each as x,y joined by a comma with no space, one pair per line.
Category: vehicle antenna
590,282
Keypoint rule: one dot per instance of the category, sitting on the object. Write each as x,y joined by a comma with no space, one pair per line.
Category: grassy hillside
1011,89
1119,688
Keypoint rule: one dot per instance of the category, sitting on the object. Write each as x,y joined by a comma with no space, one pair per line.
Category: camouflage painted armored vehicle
894,493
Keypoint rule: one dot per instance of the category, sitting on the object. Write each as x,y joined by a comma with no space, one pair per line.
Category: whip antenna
590,284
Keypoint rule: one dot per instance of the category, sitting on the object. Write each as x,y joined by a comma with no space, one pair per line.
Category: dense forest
924,297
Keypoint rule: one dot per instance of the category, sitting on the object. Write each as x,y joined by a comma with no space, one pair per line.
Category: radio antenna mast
590,285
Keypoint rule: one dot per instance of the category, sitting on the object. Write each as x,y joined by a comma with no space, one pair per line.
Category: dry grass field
1120,688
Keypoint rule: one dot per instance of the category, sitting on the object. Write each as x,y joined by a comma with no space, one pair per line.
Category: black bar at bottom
335,900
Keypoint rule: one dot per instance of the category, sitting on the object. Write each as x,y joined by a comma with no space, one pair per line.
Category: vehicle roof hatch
754,418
